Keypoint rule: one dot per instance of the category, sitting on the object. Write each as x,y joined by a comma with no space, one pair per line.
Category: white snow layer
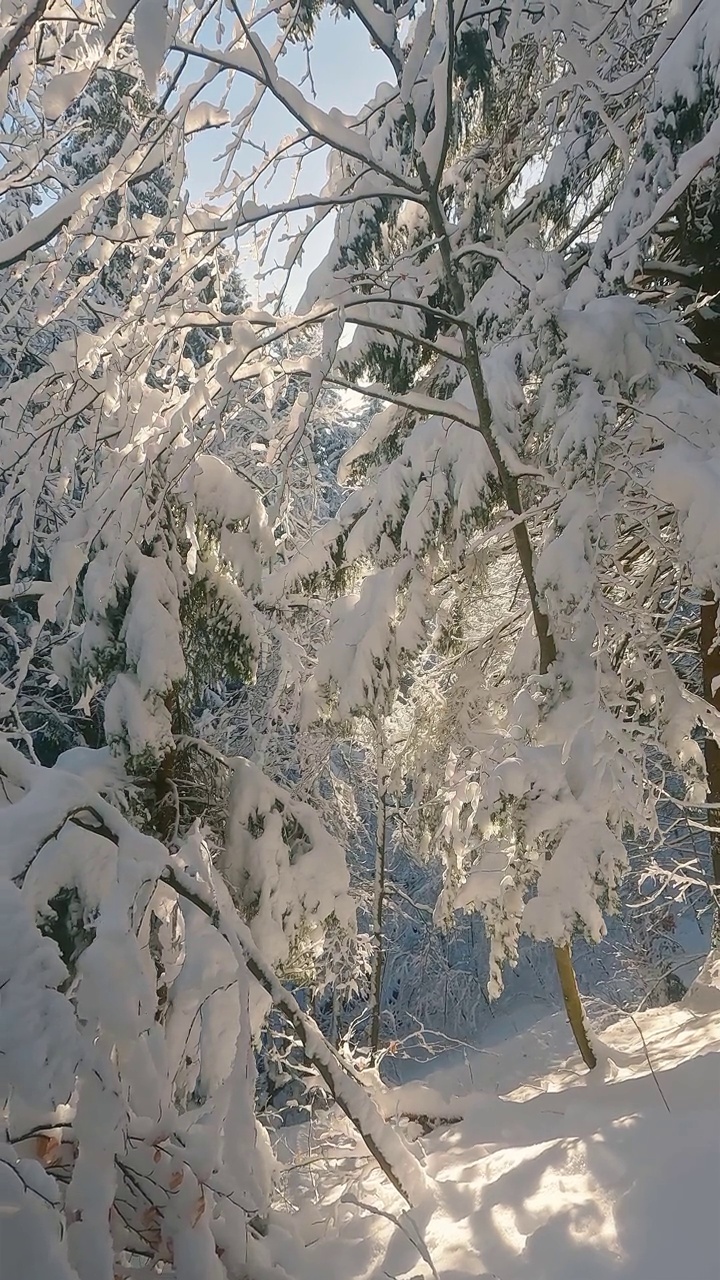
610,1176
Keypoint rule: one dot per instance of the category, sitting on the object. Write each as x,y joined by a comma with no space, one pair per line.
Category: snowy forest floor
549,1174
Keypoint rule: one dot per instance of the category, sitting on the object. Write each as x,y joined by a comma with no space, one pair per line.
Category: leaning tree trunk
573,1004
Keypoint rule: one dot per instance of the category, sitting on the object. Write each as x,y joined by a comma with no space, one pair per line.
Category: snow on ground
565,1176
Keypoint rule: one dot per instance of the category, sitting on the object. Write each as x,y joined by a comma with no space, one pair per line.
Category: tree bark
378,956
573,1004
710,663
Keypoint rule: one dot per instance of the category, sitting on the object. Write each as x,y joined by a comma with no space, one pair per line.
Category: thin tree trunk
573,1004
710,663
547,656
378,956
164,793
334,1036
520,533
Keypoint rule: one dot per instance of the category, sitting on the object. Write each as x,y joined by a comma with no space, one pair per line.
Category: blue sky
346,71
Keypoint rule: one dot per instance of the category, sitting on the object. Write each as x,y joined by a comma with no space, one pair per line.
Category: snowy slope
565,1178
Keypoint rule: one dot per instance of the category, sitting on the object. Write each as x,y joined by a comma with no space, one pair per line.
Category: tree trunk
164,794
573,1004
710,663
523,548
334,1036
378,955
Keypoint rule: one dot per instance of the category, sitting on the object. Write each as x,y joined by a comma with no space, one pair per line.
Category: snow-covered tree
132,990
521,513
131,556
525,387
